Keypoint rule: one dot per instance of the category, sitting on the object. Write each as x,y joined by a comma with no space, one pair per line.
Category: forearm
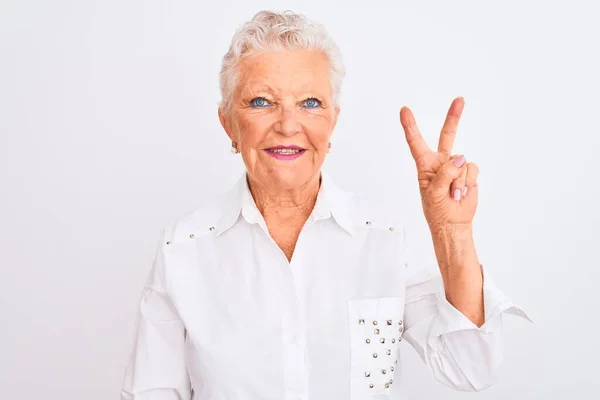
461,271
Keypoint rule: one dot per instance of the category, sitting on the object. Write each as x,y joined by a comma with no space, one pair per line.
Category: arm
460,270
461,347
455,324
156,369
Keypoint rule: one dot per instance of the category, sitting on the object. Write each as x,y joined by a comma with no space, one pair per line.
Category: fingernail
465,191
457,194
459,161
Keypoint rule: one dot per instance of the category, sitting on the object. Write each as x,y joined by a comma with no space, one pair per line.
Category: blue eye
311,103
259,102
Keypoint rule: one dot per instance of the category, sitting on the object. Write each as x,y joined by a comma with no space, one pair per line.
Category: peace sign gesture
448,184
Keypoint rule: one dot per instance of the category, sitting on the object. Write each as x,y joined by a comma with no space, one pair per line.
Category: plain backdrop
109,132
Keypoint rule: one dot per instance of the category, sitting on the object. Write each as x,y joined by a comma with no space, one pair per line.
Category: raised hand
448,183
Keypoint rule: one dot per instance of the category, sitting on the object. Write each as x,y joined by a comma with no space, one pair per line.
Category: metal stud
367,374
374,355
387,385
212,228
376,331
374,322
368,341
368,223
383,371
391,381
393,340
389,322
392,369
192,236
361,321
371,385
391,229
388,352
400,322
382,340
168,242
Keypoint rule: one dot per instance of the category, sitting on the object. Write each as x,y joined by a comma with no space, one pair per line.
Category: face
282,117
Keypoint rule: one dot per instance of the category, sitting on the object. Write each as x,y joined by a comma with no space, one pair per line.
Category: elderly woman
288,287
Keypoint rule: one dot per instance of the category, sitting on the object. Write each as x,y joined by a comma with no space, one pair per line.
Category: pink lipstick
285,153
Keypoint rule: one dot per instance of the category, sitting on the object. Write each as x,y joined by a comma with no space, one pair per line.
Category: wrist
454,246
452,232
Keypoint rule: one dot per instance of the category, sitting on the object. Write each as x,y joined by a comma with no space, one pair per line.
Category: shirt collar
331,202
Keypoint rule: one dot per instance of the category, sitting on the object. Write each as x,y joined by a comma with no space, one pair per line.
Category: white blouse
224,315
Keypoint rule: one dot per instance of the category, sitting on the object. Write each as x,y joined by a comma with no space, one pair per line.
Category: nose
288,123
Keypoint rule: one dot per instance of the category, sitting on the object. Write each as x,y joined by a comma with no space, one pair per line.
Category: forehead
285,71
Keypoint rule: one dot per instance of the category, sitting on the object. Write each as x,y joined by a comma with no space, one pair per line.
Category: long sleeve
457,352
156,369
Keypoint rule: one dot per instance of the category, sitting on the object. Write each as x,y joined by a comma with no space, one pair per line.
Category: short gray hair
269,30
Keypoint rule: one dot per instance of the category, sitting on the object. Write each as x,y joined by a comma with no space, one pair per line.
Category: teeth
285,151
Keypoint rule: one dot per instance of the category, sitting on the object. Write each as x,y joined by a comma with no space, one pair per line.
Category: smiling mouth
285,151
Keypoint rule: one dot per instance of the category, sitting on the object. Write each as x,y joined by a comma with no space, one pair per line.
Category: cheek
252,131
318,129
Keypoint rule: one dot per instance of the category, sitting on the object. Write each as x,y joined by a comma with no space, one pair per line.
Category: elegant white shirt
224,315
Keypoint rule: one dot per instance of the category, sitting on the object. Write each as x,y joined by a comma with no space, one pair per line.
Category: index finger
415,140
448,133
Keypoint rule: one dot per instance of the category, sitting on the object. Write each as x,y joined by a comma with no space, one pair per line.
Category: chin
290,178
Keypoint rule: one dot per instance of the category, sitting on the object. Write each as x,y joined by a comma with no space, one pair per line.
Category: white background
109,131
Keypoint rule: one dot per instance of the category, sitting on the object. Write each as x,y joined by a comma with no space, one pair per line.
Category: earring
234,149
329,148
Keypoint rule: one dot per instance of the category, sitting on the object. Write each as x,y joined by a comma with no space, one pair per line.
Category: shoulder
373,212
381,212
198,222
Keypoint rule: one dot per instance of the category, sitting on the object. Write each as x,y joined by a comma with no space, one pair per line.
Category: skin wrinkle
285,192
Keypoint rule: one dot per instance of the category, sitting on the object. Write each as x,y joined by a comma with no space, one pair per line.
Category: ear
226,124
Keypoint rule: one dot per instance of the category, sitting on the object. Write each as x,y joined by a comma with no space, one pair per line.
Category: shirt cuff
496,303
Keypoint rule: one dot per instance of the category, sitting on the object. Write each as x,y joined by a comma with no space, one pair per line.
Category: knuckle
449,132
448,170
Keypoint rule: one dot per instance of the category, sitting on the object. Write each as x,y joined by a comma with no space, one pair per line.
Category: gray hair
278,31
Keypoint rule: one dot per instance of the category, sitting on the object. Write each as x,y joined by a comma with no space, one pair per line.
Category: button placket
294,368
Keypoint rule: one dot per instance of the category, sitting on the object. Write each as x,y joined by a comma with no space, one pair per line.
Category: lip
285,157
292,147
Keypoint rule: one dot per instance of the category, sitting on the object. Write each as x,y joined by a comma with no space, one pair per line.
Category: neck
285,204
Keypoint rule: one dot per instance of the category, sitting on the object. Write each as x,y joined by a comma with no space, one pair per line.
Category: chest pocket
376,327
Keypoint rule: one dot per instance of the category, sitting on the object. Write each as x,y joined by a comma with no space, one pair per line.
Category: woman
288,287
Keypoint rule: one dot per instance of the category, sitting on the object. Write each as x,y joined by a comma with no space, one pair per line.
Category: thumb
450,170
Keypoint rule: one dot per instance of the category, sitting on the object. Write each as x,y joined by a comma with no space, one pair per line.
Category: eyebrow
256,86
